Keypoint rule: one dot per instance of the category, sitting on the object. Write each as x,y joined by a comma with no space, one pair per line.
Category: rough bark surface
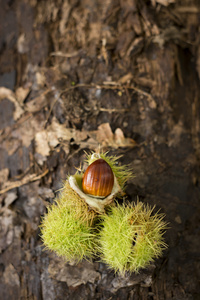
124,74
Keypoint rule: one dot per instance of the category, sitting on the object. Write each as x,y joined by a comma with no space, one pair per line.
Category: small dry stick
25,180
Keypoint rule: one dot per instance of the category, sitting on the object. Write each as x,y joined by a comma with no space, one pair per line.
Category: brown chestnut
98,179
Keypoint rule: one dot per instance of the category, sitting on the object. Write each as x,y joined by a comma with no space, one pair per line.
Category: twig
188,10
25,180
110,110
108,85
66,55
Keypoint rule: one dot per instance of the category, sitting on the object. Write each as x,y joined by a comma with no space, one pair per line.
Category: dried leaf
119,136
6,225
106,138
51,137
175,134
165,2
26,132
37,103
104,133
4,175
58,131
126,78
85,272
6,93
11,277
136,46
41,143
10,198
21,94
170,33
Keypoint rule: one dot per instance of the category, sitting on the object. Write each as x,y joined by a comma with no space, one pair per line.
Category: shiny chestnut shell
98,179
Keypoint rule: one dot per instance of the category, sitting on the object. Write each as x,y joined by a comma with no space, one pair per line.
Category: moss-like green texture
131,237
67,228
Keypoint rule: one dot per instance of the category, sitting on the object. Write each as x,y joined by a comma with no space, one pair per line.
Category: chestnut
98,179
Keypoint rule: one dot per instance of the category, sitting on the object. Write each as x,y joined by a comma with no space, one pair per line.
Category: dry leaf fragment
29,127
60,131
6,225
120,139
119,136
104,51
41,143
37,103
4,175
105,137
50,138
85,272
170,33
21,94
136,46
11,277
164,2
104,133
6,93
22,44
126,78
10,198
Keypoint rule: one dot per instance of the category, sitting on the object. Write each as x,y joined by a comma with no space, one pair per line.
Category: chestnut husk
96,203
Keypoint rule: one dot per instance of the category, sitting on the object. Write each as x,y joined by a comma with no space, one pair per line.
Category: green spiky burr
131,237
68,228
78,225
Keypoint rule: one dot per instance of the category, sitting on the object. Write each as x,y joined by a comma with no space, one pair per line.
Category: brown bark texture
122,74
